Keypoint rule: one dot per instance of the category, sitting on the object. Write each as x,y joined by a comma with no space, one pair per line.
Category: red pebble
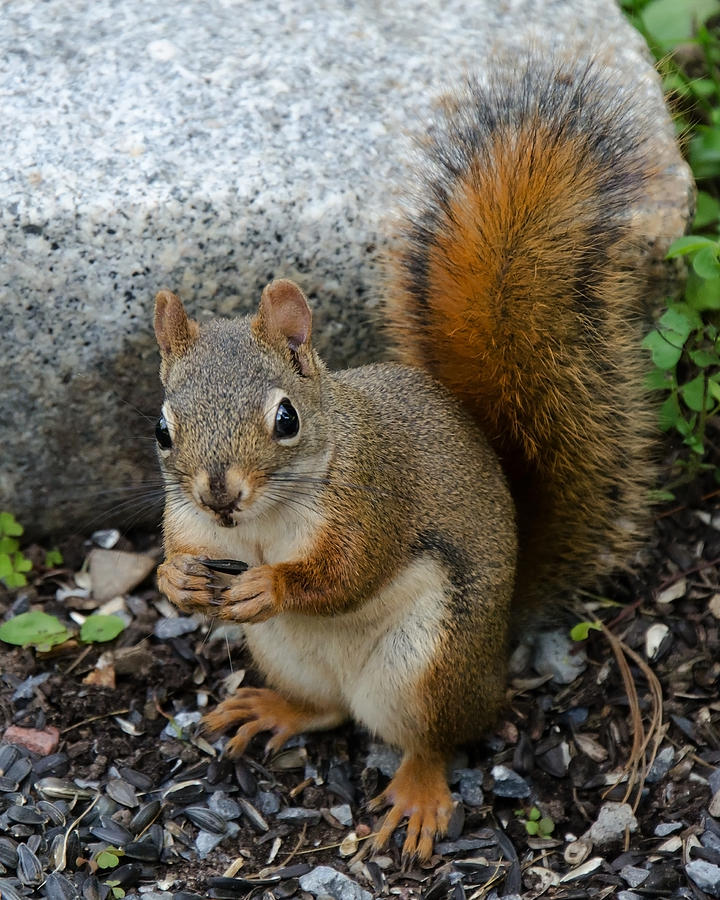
41,742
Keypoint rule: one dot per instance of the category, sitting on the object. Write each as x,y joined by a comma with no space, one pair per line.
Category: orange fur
514,288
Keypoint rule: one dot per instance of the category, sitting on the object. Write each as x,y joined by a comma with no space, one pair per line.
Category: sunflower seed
111,831
144,850
206,819
25,815
93,890
20,769
7,785
52,812
57,764
29,868
145,816
137,779
8,852
58,887
184,792
122,792
8,755
59,789
286,760
9,890
128,874
252,815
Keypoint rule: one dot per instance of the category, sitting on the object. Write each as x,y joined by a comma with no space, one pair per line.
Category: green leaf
106,859
669,413
531,828
705,262
33,628
53,558
534,814
659,380
693,393
15,580
9,524
21,563
707,211
689,243
6,566
704,152
671,22
118,892
695,444
702,294
546,826
681,319
666,348
660,496
581,631
704,358
97,629
9,545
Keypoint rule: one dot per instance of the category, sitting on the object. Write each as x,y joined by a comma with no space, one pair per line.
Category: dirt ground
565,746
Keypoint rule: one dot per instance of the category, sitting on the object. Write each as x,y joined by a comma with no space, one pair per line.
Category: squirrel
398,517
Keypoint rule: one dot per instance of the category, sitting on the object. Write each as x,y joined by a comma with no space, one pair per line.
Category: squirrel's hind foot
420,793
261,709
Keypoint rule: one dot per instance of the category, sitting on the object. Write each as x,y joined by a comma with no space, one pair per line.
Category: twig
115,712
61,865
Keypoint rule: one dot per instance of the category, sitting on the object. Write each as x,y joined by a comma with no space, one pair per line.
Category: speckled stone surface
207,148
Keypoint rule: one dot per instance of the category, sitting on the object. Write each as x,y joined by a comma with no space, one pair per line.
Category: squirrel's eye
287,421
162,433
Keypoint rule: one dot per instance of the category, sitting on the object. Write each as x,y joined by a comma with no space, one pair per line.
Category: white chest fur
369,662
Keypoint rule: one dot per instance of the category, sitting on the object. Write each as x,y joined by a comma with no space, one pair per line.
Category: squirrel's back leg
434,680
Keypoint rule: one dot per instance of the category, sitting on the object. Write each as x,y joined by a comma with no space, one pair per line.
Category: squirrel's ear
284,319
174,331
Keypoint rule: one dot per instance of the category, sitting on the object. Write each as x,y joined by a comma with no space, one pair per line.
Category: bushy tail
522,287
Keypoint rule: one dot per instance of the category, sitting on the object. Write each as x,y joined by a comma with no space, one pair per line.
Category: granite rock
206,148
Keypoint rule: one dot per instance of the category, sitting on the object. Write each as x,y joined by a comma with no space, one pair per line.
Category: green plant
34,629
685,345
43,631
535,823
581,631
53,558
13,564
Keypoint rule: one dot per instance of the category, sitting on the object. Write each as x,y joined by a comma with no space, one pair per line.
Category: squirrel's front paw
251,597
188,584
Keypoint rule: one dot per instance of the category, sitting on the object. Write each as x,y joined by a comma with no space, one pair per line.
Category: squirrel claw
186,583
250,598
418,792
261,709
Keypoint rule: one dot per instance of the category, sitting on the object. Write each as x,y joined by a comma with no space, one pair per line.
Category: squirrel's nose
216,496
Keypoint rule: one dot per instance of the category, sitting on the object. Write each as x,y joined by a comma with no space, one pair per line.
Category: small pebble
633,875
661,765
41,742
470,786
206,841
268,803
328,882
611,823
557,655
383,758
509,783
705,875
299,815
666,828
343,814
176,627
